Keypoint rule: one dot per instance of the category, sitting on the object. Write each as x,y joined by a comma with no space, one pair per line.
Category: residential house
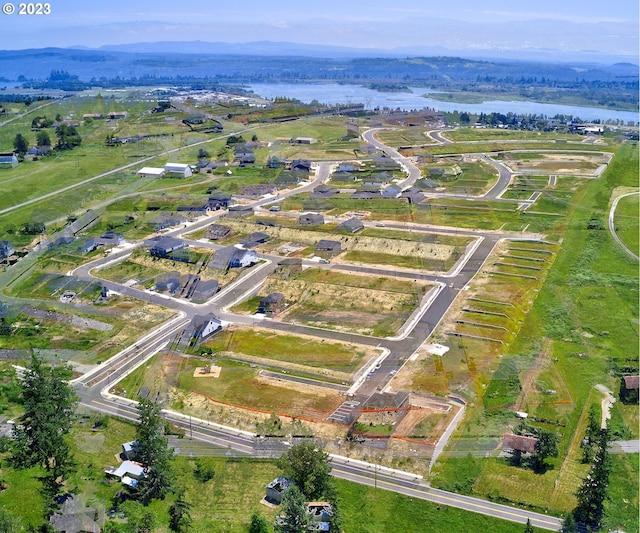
257,191
304,140
167,220
275,489
240,211
324,191
178,170
301,164
114,115
111,238
275,162
129,473
245,158
202,327
392,191
217,231
325,246
89,246
348,166
316,204
6,249
8,160
272,304
170,282
365,195
351,226
287,178
426,183
205,289
222,199
384,162
378,179
39,151
254,239
129,450
162,246
519,443
413,195
232,257
311,219
74,516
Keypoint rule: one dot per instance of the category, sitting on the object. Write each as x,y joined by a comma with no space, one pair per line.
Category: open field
488,134
564,345
240,386
371,305
304,352
627,222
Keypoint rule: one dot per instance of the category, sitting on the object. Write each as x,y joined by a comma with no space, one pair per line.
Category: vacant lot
370,305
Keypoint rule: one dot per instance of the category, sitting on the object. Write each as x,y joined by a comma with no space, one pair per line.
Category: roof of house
325,244
632,382
255,238
352,225
519,443
217,231
311,218
280,484
127,468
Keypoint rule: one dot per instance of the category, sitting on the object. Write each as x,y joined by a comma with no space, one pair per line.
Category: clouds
455,25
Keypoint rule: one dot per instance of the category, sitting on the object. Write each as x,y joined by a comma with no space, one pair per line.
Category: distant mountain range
256,61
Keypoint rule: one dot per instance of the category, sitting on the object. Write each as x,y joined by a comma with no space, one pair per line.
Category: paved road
612,225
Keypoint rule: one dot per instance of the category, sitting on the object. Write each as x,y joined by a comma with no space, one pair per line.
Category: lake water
333,93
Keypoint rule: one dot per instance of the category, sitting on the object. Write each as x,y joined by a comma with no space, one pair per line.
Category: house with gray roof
217,231
311,219
254,239
201,327
272,304
351,226
275,489
326,246
162,246
205,289
232,257
392,191
167,220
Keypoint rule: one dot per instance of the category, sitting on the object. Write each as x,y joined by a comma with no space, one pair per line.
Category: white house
178,170
129,473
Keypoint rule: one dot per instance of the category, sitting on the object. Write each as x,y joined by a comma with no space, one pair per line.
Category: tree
20,144
49,403
593,491
528,528
8,523
547,446
591,436
569,524
68,137
153,452
258,524
294,517
464,117
308,466
180,515
43,139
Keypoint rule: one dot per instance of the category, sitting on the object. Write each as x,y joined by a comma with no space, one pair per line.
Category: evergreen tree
308,466
43,139
569,524
294,517
49,403
180,515
153,452
20,144
528,528
258,524
592,493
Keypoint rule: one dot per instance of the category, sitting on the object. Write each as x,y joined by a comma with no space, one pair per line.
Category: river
333,93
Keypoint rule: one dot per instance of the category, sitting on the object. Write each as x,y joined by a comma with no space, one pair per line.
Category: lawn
627,224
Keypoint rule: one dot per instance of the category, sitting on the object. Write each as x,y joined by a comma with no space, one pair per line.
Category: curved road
612,225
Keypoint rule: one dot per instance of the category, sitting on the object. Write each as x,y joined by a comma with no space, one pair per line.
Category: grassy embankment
582,328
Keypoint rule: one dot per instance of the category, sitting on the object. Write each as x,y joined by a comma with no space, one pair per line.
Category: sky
609,27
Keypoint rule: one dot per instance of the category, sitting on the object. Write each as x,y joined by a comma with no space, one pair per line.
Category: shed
629,389
129,450
8,160
151,172
275,489
178,170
